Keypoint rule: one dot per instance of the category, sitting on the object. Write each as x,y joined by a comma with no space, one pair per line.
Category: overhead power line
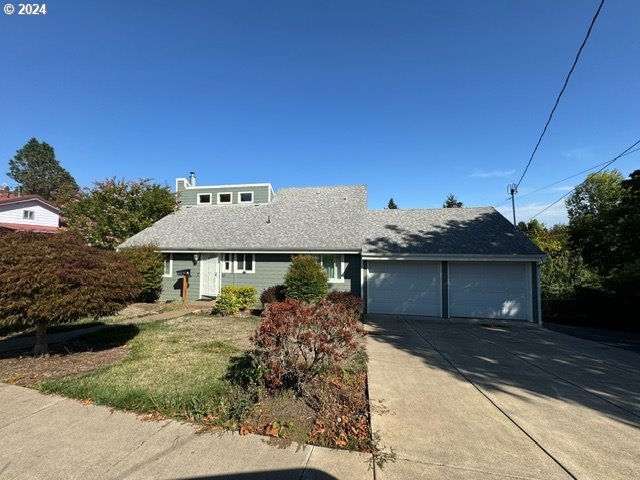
566,81
607,164
507,200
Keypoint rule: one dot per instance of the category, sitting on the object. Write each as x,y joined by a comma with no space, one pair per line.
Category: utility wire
566,178
626,152
566,81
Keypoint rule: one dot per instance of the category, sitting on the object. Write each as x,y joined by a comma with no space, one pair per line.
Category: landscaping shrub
246,295
350,301
149,263
306,280
296,341
273,294
232,299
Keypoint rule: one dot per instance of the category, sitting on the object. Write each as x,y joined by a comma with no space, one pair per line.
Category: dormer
190,195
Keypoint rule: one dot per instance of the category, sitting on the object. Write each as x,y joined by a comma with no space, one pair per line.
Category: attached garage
490,290
404,287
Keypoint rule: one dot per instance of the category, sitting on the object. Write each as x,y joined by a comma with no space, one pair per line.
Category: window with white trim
28,214
227,262
333,266
245,197
245,263
167,259
224,198
204,199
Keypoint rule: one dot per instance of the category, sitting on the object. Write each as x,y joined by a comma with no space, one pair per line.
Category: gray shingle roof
455,231
335,219
298,219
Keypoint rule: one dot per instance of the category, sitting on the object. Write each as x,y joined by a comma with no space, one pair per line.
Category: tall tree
114,210
56,278
452,202
35,167
392,205
592,208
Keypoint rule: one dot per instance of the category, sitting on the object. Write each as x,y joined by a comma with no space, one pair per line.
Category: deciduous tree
57,278
114,210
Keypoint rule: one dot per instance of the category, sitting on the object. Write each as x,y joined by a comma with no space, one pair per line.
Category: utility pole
512,189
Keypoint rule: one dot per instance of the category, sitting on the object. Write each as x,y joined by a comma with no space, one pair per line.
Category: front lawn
184,368
175,368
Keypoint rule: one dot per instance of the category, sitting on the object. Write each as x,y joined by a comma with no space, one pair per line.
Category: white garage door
408,288
490,290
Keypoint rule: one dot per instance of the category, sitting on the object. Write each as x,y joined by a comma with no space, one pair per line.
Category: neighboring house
28,213
444,262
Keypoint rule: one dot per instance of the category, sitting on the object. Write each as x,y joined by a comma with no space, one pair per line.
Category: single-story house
28,213
444,262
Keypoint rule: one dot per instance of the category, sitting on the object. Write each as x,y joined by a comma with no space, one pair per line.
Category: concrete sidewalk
51,437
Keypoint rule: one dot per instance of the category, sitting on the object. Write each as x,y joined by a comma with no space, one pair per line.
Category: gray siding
189,197
172,286
271,268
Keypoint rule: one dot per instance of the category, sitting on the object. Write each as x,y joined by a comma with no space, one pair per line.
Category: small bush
306,280
273,294
149,263
246,295
296,341
350,301
232,299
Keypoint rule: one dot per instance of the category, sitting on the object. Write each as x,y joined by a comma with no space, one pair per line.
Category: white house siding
12,213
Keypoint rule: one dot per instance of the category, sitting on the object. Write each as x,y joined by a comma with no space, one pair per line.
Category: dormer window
28,214
245,197
224,198
204,198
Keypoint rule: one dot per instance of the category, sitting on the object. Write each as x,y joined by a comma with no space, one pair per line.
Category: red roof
27,228
5,201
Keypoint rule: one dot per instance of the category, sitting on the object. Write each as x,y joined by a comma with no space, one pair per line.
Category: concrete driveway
457,399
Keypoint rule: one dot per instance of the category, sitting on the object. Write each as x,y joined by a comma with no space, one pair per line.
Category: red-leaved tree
56,278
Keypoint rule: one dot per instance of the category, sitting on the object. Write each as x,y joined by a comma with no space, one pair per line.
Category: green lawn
176,367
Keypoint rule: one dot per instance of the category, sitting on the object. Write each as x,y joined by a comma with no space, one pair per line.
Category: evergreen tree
452,202
392,205
35,167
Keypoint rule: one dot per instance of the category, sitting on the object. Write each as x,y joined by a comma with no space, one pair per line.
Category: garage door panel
409,288
489,290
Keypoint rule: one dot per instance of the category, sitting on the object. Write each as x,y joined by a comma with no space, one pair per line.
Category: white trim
242,193
210,202
170,264
453,257
237,268
238,185
230,198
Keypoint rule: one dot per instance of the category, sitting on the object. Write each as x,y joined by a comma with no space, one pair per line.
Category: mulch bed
25,370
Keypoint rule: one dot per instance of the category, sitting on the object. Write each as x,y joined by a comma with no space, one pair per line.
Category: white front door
209,275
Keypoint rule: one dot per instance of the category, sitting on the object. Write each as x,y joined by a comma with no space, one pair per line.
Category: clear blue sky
416,99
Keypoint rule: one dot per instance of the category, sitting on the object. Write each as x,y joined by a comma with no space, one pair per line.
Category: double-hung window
28,214
227,262
167,264
245,263
333,266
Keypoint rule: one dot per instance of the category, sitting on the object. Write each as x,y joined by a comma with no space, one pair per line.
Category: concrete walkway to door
491,400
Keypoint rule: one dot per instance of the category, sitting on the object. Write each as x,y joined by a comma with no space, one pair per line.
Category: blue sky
416,99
